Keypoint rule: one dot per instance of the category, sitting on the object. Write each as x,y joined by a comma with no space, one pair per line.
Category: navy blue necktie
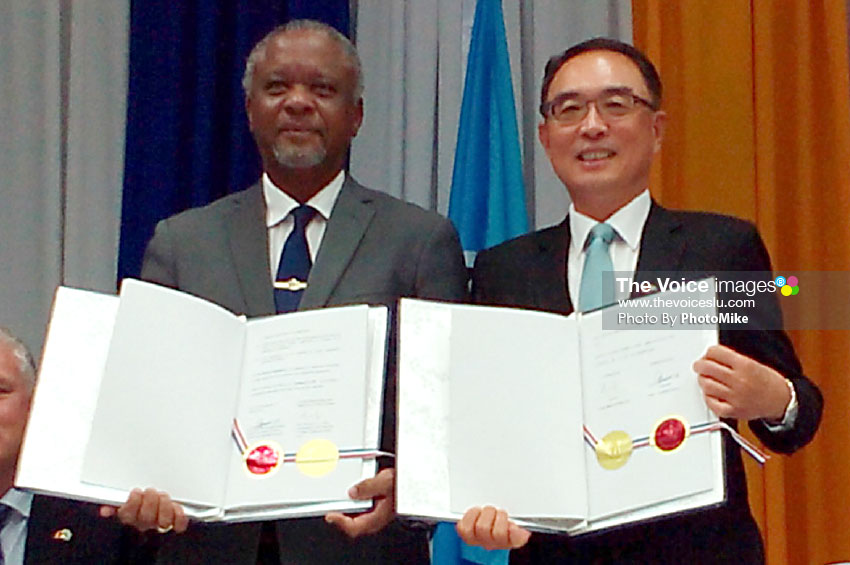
295,263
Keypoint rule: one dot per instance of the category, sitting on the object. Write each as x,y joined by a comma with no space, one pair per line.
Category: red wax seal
670,434
262,460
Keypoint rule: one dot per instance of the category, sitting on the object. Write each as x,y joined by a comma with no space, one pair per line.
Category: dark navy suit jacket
85,537
531,272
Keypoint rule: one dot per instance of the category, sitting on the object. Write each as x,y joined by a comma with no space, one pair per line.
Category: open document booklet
238,420
569,423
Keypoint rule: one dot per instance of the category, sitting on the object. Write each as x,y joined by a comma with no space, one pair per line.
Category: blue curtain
187,140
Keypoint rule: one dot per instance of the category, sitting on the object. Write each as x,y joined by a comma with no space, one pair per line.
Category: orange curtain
759,102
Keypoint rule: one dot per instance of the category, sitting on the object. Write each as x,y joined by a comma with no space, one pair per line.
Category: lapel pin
63,535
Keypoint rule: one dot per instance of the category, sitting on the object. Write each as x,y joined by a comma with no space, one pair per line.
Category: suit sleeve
440,270
483,288
771,346
159,263
501,279
88,537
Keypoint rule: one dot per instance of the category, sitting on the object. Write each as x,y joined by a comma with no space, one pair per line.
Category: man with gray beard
303,90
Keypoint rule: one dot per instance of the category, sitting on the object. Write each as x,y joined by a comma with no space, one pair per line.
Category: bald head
17,377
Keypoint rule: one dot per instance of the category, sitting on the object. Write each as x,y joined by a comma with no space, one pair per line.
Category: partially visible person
40,529
602,125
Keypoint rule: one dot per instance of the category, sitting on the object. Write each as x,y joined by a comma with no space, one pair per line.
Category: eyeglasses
569,109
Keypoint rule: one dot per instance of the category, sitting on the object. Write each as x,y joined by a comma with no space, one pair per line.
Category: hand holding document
490,528
739,387
566,423
381,489
149,510
235,419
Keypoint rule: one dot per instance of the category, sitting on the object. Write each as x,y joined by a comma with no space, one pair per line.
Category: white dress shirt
280,223
628,224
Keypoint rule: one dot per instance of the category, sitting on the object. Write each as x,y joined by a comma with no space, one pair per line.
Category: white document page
168,396
633,379
376,364
422,456
515,415
372,432
458,437
376,359
64,400
304,379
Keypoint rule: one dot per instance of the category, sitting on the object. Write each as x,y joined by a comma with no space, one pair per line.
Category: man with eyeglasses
602,126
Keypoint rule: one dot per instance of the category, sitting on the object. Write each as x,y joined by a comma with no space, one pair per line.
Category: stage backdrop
760,128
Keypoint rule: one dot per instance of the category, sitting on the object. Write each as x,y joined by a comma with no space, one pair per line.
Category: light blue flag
448,549
487,201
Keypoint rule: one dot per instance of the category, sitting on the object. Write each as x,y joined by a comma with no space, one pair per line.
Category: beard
297,156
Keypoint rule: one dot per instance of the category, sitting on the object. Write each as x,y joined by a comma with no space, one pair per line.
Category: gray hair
310,25
26,365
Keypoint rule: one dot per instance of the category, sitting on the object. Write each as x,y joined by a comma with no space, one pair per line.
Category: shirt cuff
790,415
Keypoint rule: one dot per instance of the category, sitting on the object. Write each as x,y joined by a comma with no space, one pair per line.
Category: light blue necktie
5,514
597,278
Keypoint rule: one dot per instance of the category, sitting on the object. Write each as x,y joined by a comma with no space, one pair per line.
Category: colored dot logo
789,286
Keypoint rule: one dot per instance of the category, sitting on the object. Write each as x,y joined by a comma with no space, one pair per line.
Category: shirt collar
279,204
627,222
19,500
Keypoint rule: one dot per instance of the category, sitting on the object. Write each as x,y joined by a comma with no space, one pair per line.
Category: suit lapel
662,245
249,249
549,269
346,227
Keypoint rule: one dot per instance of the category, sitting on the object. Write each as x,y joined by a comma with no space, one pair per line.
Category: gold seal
614,450
317,457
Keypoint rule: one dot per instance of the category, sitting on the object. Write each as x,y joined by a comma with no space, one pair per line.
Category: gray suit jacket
376,249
